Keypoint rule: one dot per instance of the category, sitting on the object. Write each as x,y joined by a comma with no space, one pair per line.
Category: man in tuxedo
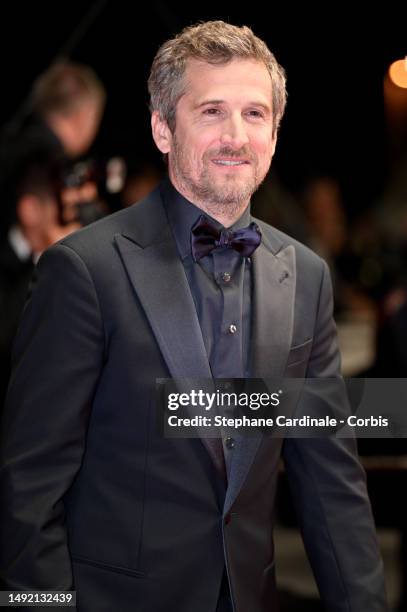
183,285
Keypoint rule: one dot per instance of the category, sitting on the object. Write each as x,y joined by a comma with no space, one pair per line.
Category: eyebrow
206,102
217,102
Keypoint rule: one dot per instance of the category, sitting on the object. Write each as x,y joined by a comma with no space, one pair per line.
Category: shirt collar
19,243
182,214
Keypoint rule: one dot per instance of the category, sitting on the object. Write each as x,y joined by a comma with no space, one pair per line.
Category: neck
36,239
224,217
226,213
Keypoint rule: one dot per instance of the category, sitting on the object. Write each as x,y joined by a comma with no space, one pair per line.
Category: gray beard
227,201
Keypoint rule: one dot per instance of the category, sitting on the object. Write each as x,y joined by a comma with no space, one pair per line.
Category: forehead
242,78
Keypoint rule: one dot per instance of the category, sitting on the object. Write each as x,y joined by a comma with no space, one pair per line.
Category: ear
161,133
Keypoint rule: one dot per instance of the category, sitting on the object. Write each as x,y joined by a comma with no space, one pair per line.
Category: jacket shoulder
141,222
277,240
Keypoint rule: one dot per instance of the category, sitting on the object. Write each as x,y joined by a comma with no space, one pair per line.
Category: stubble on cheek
216,191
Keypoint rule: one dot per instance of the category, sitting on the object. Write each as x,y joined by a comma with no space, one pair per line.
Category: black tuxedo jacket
98,501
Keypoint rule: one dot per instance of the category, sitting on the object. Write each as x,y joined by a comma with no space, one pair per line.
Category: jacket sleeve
57,359
328,487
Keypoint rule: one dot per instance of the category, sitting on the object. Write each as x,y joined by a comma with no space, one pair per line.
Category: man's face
223,142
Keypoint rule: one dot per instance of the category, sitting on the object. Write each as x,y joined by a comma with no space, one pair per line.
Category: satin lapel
272,328
159,280
273,316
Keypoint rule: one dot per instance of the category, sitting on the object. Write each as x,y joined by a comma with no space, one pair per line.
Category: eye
257,114
211,111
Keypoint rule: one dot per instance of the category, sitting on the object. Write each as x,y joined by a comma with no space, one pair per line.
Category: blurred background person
142,177
44,194
63,115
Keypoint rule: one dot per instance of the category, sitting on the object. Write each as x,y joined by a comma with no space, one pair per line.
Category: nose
234,131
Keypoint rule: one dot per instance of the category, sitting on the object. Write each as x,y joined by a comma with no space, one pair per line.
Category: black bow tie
205,237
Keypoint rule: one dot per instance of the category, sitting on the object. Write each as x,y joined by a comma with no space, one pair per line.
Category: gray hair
215,42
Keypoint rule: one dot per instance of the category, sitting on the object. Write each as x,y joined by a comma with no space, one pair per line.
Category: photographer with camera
44,197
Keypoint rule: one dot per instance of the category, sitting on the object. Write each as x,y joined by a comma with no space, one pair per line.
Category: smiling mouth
226,162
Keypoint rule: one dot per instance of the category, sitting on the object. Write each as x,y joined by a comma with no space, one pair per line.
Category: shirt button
226,277
229,443
232,329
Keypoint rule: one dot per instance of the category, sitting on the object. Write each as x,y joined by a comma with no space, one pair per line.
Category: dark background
335,57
